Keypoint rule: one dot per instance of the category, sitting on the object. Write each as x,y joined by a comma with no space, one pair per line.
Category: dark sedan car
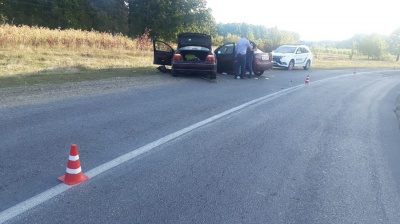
226,60
194,54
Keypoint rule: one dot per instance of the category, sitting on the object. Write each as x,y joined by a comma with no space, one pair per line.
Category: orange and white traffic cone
74,174
307,79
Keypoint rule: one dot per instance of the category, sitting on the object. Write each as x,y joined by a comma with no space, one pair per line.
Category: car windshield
285,49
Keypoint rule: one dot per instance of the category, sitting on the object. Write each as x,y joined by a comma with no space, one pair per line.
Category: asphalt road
266,150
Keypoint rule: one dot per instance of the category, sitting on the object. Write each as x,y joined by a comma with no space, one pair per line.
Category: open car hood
194,39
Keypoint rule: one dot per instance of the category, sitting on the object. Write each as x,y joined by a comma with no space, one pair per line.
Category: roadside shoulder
43,93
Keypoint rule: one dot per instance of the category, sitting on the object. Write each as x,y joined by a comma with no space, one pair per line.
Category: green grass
326,61
28,66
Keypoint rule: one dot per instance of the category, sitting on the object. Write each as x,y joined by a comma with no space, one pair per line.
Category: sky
313,20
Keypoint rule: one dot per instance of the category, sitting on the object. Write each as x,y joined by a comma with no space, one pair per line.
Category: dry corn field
71,39
26,50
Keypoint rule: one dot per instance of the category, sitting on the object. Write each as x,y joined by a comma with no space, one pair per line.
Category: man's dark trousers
241,63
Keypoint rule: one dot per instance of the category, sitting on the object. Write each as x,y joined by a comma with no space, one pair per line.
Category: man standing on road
241,48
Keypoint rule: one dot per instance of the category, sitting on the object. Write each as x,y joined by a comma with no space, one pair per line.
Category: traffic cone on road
73,174
307,79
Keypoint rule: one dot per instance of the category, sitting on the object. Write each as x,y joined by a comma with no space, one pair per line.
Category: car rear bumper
262,66
194,67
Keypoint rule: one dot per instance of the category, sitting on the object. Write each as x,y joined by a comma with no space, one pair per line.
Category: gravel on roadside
43,93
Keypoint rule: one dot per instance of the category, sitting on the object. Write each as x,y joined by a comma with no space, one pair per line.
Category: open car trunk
194,39
194,53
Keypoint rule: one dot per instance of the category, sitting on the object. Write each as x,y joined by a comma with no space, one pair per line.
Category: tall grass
28,50
65,39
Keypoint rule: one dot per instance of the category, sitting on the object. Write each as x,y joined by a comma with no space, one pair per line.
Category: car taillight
177,57
210,58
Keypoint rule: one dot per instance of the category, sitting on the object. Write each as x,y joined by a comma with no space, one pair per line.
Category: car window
305,50
285,49
226,49
161,46
193,40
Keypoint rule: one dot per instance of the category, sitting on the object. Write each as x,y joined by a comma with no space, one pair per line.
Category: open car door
163,53
225,55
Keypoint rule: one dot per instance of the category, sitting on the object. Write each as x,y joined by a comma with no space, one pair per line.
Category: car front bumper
279,61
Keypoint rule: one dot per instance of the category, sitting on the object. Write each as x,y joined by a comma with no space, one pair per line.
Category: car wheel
219,70
307,66
291,65
174,73
213,75
258,72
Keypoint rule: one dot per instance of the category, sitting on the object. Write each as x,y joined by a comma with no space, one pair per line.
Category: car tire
307,66
213,75
219,70
258,73
290,66
174,73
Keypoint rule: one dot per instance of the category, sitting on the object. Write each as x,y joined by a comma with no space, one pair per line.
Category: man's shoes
236,77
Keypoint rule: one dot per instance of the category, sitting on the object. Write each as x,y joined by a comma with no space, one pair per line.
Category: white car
291,55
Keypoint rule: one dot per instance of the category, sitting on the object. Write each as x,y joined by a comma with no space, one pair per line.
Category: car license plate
265,57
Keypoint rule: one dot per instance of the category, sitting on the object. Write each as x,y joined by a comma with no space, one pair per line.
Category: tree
276,37
101,15
229,28
65,14
167,18
231,38
22,12
267,39
110,16
394,43
373,45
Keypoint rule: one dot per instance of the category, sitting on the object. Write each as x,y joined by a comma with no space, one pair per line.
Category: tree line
164,19
100,15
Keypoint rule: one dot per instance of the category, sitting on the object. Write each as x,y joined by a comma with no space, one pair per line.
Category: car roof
295,45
